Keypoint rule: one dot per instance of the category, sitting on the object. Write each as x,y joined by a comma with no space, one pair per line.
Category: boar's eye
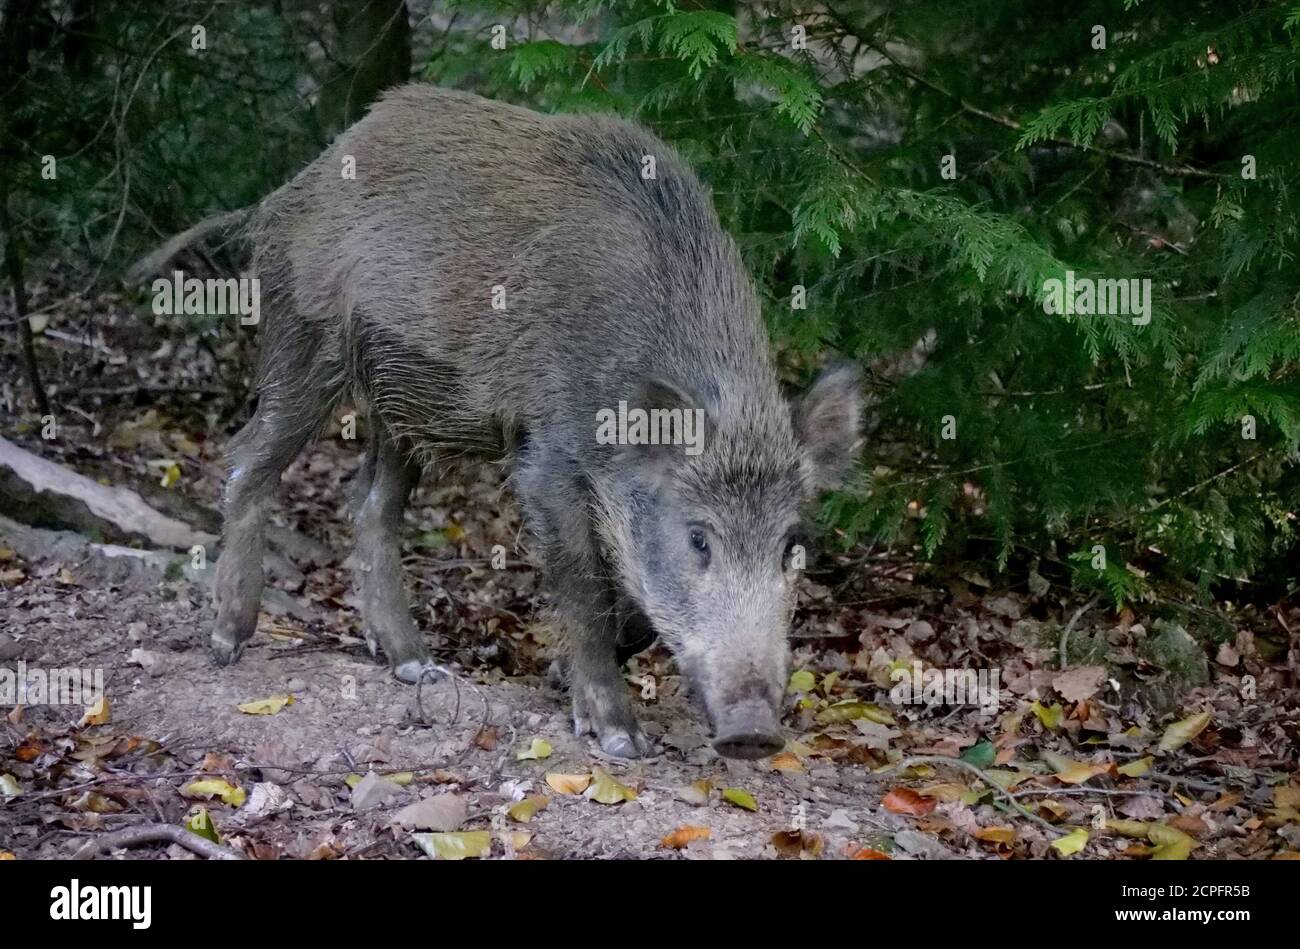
701,544
794,543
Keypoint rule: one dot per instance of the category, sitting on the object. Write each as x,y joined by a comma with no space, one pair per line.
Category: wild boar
481,279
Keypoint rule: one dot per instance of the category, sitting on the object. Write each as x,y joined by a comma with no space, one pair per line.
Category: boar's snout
748,730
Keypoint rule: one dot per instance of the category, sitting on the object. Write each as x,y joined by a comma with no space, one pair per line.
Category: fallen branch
48,494
156,833
160,257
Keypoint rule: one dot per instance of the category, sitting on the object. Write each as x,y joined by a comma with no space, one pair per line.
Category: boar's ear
828,423
657,392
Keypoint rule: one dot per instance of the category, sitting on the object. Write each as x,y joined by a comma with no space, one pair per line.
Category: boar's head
707,541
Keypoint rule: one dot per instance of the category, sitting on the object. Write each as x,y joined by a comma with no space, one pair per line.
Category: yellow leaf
515,839
400,778
6,855
605,790
352,780
97,714
997,835
9,786
567,783
801,681
850,710
740,798
1071,843
539,749
1049,715
1180,733
684,835
171,475
1073,772
1128,828
524,811
1008,779
200,823
266,706
455,846
215,787
1171,843
1135,769
454,532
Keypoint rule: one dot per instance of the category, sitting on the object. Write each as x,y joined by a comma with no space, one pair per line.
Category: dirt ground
1150,743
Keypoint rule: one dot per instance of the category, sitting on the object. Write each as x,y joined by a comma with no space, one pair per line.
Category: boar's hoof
615,740
226,651
557,674
411,670
624,745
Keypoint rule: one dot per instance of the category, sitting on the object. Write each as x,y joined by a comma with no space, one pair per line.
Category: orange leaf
907,801
684,835
866,853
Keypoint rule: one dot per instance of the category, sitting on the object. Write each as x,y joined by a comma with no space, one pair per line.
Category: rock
372,791
150,662
441,813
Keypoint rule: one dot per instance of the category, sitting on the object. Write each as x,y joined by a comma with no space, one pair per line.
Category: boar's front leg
600,696
377,557
585,601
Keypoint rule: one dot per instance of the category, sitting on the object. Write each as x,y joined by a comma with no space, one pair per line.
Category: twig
1065,633
154,833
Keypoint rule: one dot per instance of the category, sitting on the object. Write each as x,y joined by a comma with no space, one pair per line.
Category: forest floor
1150,742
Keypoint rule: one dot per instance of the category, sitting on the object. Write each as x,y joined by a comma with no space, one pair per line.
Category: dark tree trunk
374,47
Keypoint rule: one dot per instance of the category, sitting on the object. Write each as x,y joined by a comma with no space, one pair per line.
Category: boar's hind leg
385,606
285,421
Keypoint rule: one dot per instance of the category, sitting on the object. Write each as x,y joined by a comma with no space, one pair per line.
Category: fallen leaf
605,790
525,810
684,835
868,853
1135,769
97,714
9,786
907,801
1069,771
538,749
1071,843
567,783
849,710
1079,684
697,792
467,844
798,843
201,823
265,706
741,798
981,754
1127,828
787,762
1171,843
802,681
1180,733
1049,715
997,835
208,788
